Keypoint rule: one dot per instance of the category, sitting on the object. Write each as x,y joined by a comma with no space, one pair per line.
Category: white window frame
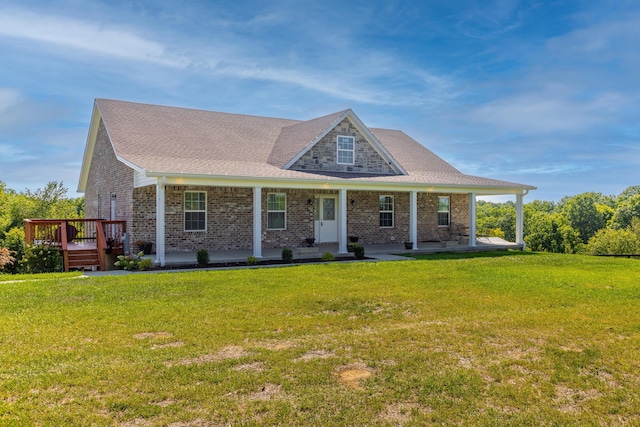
448,211
344,151
284,210
184,222
387,211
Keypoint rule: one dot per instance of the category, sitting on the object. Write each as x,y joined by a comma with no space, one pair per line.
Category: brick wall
428,228
323,155
107,176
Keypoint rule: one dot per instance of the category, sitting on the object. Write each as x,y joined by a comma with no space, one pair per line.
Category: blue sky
545,93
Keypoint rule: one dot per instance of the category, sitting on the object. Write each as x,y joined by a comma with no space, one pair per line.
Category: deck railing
107,235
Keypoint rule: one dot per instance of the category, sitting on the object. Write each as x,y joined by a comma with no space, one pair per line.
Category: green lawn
518,339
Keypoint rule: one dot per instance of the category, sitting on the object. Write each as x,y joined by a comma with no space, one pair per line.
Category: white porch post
342,224
160,215
257,222
519,222
413,219
472,219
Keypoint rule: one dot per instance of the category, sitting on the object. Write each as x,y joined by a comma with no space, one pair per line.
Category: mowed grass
521,339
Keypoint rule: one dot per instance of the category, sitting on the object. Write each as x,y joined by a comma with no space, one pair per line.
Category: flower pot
147,248
408,245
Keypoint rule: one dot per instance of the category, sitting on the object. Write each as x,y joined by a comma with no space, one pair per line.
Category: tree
551,233
614,241
587,213
626,211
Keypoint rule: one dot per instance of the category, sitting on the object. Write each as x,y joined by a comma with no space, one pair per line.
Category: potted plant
408,245
144,246
310,241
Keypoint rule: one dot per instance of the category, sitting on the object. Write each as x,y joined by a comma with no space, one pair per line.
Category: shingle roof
173,140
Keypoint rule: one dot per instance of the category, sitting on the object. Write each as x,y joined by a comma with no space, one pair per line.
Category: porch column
472,219
257,222
519,215
342,224
413,219
160,214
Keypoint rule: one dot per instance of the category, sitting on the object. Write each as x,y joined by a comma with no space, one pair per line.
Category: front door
325,217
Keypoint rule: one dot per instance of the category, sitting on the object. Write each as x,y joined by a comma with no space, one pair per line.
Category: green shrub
287,256
14,241
328,256
203,257
145,264
42,259
251,260
131,262
358,250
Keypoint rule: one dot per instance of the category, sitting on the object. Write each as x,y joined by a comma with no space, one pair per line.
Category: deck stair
85,259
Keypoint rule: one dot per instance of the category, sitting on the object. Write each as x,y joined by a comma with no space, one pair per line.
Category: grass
517,339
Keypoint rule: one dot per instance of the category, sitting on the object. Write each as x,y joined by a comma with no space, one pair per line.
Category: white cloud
83,35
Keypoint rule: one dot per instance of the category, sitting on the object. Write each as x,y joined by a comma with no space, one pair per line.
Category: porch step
85,259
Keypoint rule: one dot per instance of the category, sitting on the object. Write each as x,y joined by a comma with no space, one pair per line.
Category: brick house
189,179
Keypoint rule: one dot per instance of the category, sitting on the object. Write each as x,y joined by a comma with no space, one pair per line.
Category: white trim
519,222
393,211
277,211
140,179
184,211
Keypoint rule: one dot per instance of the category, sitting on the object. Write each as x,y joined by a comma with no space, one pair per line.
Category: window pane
328,209
276,202
443,204
386,219
275,220
194,221
345,143
443,218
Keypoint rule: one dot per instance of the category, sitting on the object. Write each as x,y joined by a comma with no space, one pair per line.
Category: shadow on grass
465,255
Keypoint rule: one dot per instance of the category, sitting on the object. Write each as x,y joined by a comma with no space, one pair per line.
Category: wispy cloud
84,35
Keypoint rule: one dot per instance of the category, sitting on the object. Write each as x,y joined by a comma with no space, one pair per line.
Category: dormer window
346,150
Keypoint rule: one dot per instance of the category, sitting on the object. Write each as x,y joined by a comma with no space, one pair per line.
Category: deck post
413,219
160,219
472,219
257,222
342,223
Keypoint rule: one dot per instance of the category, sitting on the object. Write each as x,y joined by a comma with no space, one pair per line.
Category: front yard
521,339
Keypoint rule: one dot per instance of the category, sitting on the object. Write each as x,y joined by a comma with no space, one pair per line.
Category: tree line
590,223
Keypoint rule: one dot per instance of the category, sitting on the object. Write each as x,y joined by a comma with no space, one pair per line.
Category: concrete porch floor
379,252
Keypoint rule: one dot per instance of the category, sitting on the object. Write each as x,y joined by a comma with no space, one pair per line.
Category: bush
203,257
6,257
133,262
358,250
251,260
42,259
14,241
328,256
287,256
614,242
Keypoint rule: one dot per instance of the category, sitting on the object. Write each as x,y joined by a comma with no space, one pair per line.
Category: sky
544,93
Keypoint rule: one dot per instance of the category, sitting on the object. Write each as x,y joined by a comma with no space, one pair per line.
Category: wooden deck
85,243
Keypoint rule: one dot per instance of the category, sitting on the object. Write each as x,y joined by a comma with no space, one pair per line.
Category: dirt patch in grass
569,399
195,423
314,354
253,367
226,353
267,392
278,345
164,403
152,335
353,375
399,414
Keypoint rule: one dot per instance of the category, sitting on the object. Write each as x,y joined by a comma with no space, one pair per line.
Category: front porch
373,251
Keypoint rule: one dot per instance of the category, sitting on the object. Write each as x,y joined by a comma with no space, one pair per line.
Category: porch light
353,202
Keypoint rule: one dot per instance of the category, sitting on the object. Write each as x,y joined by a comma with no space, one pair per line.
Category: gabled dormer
337,143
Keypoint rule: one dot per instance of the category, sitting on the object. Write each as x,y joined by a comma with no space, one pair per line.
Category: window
346,149
386,211
195,211
443,211
276,211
